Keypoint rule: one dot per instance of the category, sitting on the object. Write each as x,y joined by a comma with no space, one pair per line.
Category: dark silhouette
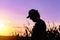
27,37
39,30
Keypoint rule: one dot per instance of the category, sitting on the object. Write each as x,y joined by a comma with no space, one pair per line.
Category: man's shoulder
41,21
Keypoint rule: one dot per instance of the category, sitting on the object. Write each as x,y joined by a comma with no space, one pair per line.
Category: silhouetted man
38,31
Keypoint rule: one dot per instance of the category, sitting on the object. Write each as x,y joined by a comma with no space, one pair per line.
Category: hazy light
1,26
5,28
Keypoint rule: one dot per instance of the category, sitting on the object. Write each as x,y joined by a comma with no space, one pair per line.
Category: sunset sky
13,13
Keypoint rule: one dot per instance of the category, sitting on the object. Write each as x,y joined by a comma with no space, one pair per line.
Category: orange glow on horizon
5,28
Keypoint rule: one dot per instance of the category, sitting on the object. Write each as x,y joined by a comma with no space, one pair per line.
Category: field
13,38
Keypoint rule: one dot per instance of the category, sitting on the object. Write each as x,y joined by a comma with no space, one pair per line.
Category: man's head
33,15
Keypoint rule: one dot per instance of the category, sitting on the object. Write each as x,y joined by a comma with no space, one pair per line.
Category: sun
1,26
5,28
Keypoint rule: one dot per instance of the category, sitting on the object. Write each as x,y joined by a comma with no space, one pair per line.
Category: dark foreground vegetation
13,38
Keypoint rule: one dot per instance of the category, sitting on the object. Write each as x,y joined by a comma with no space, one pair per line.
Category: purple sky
16,11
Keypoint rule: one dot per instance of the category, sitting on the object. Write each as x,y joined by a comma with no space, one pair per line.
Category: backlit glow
1,26
5,28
